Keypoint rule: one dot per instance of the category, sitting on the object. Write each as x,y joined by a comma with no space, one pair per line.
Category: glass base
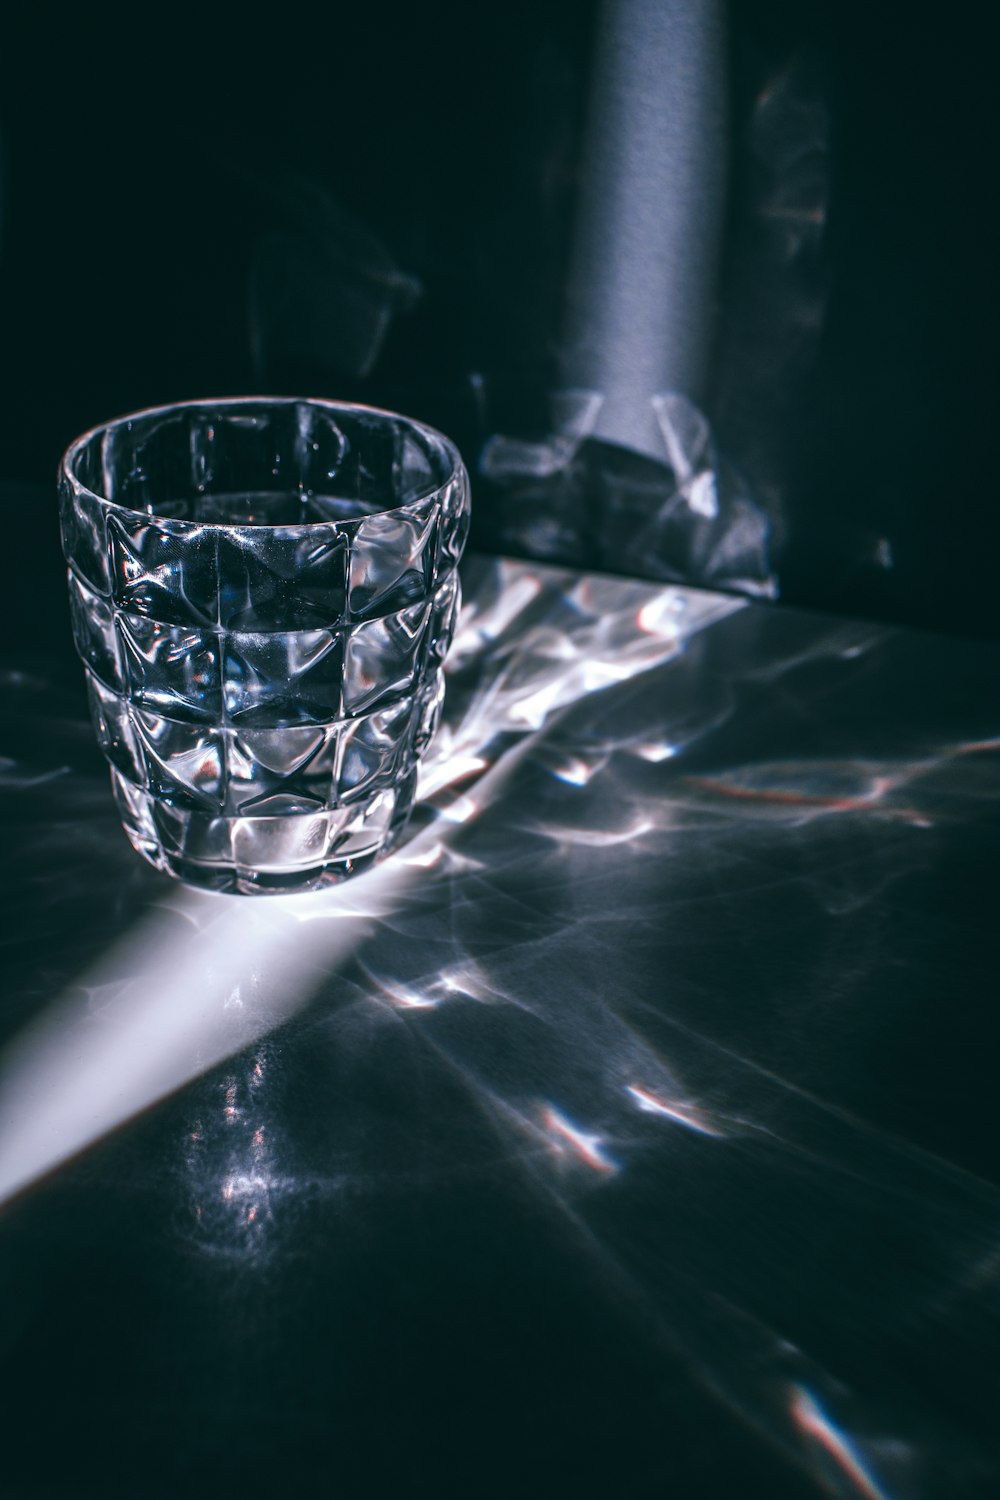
253,856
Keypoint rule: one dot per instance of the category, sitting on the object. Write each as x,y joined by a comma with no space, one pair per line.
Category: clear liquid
269,508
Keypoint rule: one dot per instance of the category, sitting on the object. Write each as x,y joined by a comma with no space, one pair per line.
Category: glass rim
67,474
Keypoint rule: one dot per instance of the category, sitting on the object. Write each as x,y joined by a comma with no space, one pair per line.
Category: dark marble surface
630,1132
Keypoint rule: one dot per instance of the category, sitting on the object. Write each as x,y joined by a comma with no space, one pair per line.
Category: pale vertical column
643,274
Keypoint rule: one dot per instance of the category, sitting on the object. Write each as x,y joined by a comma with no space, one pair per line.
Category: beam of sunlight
190,998
204,975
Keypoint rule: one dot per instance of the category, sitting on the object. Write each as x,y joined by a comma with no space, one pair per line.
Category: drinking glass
263,592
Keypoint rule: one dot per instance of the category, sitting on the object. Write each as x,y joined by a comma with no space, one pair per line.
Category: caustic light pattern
683,889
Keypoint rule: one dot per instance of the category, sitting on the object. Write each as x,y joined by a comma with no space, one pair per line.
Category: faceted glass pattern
263,593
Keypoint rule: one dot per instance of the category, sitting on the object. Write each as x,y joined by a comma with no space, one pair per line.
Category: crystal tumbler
263,592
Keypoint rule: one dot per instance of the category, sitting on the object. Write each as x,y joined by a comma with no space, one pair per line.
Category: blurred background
701,291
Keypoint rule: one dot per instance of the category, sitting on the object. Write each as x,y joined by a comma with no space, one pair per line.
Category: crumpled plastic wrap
570,498
717,504
708,491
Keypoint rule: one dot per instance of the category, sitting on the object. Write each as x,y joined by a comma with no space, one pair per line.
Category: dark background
377,203
423,1316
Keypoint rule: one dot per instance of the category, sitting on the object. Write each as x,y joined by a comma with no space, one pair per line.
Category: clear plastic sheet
782,211
688,517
